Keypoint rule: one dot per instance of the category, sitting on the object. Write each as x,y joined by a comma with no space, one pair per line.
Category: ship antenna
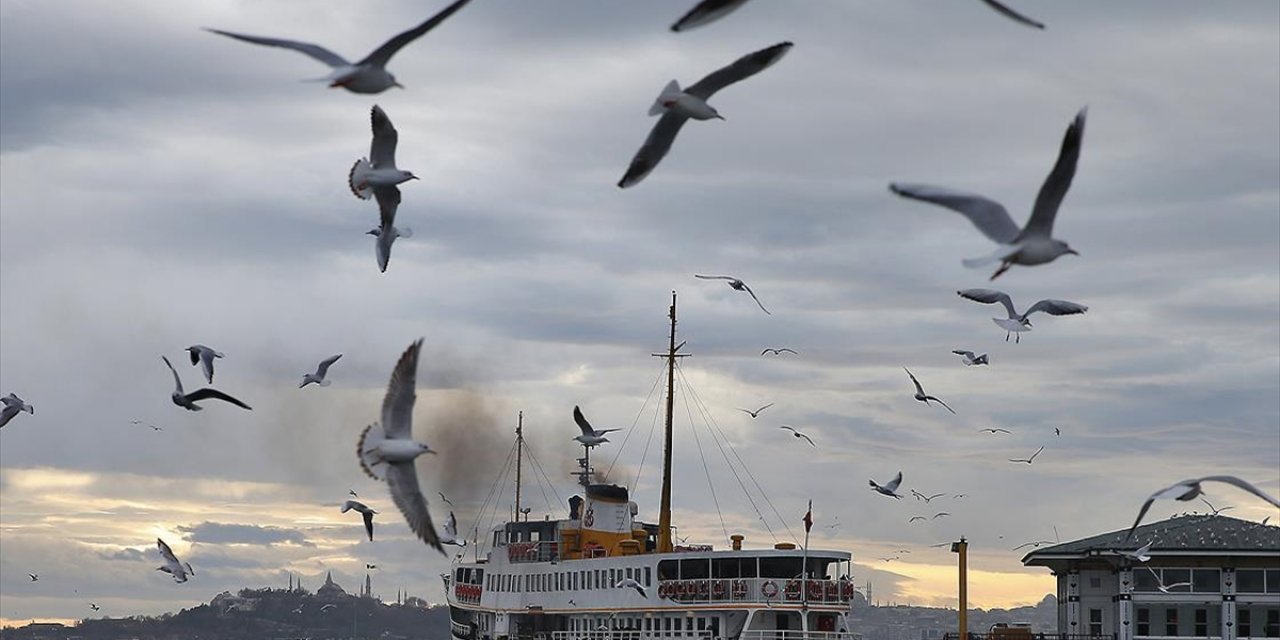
664,518
519,454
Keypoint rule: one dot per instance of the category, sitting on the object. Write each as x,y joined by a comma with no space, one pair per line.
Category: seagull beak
1073,252
719,117
397,84
414,178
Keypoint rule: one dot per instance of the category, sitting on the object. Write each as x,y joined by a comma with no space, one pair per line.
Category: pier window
1244,626
1202,622
1095,622
1177,576
1205,580
1273,580
1250,581
1144,621
1171,621
1273,619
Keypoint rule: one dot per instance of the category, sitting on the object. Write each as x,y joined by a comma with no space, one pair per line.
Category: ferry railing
628,634
533,551
793,634
1006,635
773,590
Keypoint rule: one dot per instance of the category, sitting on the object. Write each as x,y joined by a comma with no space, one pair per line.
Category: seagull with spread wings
798,434
322,370
705,12
737,285
13,405
1190,489
188,400
971,359
1017,323
922,397
927,498
386,451
778,352
1014,15
676,107
756,413
450,534
369,74
1031,245
172,566
590,435
365,512
995,430
889,488
377,177
203,356
1028,460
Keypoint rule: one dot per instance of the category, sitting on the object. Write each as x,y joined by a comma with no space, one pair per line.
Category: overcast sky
163,186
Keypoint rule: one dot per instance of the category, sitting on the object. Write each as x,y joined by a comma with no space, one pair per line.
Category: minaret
368,586
290,583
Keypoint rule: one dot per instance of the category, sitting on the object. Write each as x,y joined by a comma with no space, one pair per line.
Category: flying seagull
970,359
179,570
996,430
451,533
369,75
1188,490
444,499
1140,554
188,400
368,566
891,559
914,518
203,356
146,424
1013,15
778,352
1028,460
364,511
1033,244
387,450
1166,588
590,436
327,607
927,499
889,488
34,576
352,493
756,413
377,176
630,583
1017,323
13,405
705,12
1212,509
677,106
94,606
940,514
798,434
1035,544
321,371
737,285
920,394
1057,431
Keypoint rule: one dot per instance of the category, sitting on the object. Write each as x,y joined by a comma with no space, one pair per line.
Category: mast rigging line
492,495
629,430
712,422
635,482
538,467
705,469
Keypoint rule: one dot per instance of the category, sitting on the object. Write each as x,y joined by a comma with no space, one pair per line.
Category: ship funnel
607,510
737,541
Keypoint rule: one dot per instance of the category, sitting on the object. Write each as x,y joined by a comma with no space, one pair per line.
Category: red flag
808,518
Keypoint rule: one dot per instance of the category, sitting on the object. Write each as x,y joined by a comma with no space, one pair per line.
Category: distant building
330,591
1208,577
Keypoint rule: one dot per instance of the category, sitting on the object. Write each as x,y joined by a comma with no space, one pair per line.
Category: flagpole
804,567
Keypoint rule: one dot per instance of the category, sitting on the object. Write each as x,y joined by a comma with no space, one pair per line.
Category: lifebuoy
717,589
846,590
703,588
769,589
793,590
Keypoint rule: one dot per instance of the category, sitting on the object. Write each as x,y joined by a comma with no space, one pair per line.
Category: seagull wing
382,54
397,405
892,485
989,296
1056,184
935,399
7,414
446,500
791,351
1013,15
792,430
323,369
807,439
989,216
388,203
959,352
368,523
1245,486
382,151
451,527
1033,456
742,68
206,363
705,12
714,277
314,50
753,297
402,480
919,389
209,393
177,382
1056,308
765,407
655,147
166,552
582,422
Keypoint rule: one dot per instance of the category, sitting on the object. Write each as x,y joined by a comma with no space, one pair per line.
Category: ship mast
664,518
519,455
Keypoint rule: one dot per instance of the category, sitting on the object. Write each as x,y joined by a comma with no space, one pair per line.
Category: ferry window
535,536
779,567
1205,580
725,568
695,569
1244,626
648,577
818,567
668,570
1250,581
1202,622
629,572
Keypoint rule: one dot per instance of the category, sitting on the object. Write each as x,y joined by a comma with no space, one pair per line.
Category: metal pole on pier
962,548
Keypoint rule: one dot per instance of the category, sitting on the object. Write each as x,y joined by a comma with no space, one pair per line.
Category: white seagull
369,75
778,352
387,451
590,436
889,488
756,413
450,533
1188,490
1013,15
34,576
994,430
737,285
321,371
377,175
203,356
365,511
630,583
927,499
188,400
971,359
677,106
1017,323
798,434
13,405
1141,554
921,396
704,12
172,566
1028,460
1031,245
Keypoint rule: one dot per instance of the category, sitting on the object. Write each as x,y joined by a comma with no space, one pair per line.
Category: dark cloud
221,533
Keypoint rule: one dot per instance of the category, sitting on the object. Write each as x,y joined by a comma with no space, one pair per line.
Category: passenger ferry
557,579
